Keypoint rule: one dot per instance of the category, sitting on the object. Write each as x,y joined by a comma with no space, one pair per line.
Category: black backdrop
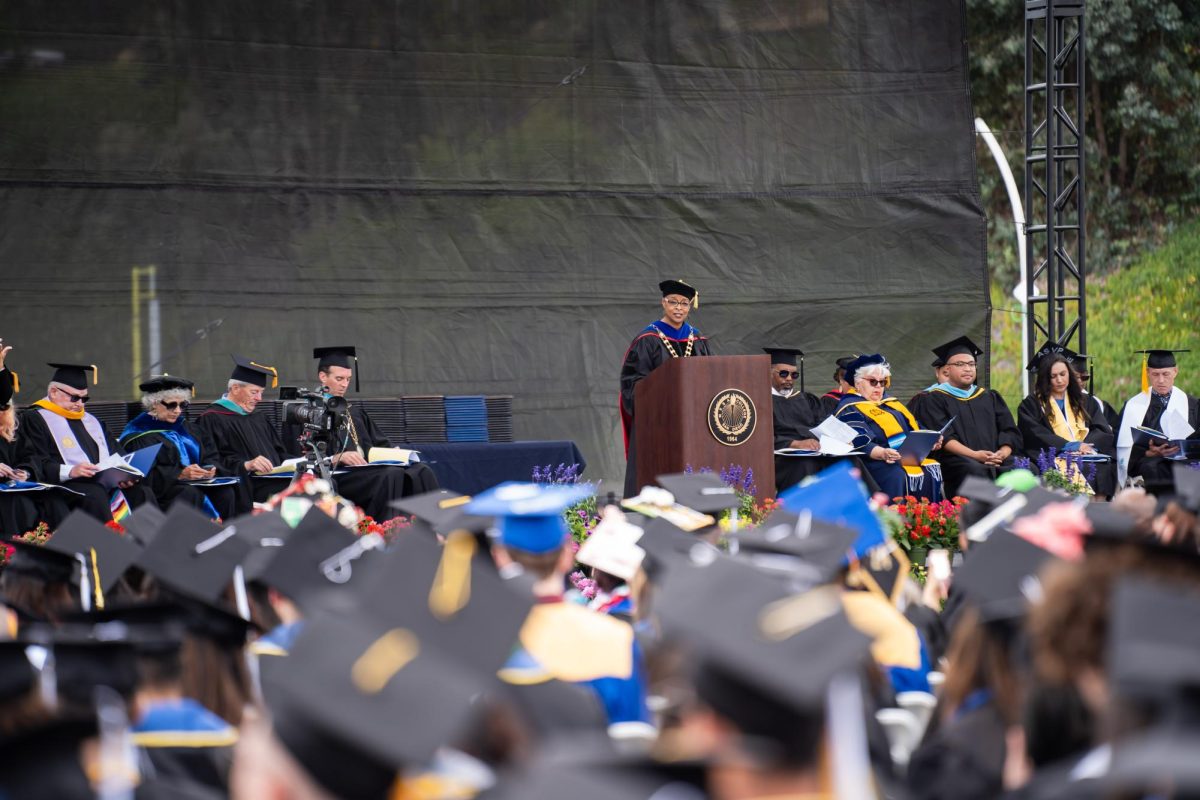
483,195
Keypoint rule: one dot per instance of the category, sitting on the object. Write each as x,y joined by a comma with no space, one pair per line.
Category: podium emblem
732,417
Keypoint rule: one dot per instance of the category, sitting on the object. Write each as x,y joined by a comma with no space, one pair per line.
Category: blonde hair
8,423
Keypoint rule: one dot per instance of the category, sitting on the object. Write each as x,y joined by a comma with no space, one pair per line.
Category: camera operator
349,445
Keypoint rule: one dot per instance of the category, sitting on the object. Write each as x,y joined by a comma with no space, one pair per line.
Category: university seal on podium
732,417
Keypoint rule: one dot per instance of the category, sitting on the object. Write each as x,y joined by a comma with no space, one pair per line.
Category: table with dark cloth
470,467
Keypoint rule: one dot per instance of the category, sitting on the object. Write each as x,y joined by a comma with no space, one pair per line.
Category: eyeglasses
679,303
783,373
876,382
174,404
962,364
74,398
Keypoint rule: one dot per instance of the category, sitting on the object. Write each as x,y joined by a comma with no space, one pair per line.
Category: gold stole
1069,426
891,427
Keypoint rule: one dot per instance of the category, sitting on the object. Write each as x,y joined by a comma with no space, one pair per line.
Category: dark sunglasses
174,404
75,398
876,382
783,373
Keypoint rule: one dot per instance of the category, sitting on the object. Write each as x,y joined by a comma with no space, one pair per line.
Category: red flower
113,525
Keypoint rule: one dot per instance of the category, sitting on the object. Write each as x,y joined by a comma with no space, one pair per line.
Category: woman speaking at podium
663,339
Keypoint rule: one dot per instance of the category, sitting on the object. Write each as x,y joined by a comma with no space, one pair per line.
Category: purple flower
1022,462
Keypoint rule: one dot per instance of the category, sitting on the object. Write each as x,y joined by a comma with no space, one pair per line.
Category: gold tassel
451,589
95,374
1145,373
274,374
96,588
16,382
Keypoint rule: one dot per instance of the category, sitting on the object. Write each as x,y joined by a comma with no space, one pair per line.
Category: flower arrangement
389,529
1064,471
582,517
919,524
741,480
586,587
39,535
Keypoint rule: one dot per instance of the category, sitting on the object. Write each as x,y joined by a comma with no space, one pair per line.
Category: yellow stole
1069,426
55,408
891,427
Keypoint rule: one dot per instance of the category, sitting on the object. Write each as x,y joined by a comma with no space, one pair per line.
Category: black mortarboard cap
150,628
938,363
295,569
45,763
266,533
1049,349
74,375
163,383
17,675
1000,576
192,555
83,662
340,356
1153,639
1160,358
783,355
8,386
743,620
36,561
144,523
114,553
666,545
699,491
817,550
443,510
956,347
253,372
1187,486
1159,762
677,287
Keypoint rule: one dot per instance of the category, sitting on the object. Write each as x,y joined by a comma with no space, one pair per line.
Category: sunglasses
75,398
174,404
783,373
876,382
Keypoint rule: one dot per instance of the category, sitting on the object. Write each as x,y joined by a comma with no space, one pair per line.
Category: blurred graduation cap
266,533
45,762
1050,349
1159,762
144,523
105,553
528,515
444,511
670,287
613,547
151,628
163,383
1000,576
700,491
956,347
788,356
295,569
837,496
74,375
666,545
252,372
17,675
40,563
194,556
809,549
83,662
1153,641
345,356
1187,486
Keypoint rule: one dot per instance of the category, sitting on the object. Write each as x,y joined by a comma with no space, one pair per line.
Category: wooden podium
711,411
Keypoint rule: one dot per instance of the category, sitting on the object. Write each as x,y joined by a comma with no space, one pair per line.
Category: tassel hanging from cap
274,373
1145,372
16,379
95,374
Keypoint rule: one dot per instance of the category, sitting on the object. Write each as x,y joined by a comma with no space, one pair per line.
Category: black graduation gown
981,423
794,418
916,407
1158,472
164,477
830,401
39,455
645,353
1094,404
372,488
1037,435
230,440
963,759
22,511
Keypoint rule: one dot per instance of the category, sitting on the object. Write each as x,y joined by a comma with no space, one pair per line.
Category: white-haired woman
883,423
181,457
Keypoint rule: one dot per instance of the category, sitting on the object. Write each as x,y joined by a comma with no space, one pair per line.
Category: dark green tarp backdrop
483,195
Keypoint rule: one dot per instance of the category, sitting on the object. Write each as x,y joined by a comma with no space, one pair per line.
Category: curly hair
152,399
8,424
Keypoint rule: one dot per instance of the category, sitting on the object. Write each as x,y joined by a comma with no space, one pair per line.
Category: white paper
833,428
1175,426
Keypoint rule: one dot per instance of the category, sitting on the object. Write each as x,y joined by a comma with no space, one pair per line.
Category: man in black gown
61,443
1152,463
795,413
830,400
374,488
984,435
668,337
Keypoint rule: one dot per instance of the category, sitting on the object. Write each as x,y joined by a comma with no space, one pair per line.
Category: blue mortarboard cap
837,496
860,362
529,515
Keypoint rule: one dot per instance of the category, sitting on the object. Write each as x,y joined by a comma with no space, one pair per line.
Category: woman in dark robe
1055,416
882,424
20,511
181,457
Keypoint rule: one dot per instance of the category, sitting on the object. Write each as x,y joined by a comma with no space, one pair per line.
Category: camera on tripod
316,412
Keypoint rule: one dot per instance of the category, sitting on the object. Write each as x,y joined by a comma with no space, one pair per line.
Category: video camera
314,411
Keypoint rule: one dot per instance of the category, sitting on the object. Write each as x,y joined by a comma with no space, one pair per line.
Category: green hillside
1150,303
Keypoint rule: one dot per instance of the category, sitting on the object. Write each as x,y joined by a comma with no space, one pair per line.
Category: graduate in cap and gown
983,437
241,442
181,457
62,443
830,400
669,337
1055,416
795,413
1159,396
376,488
